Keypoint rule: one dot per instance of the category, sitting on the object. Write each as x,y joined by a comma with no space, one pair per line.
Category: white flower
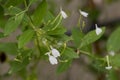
112,53
108,67
53,60
85,14
64,15
98,30
55,52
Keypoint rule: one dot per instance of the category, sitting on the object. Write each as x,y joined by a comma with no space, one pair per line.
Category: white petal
53,60
55,52
98,30
112,53
108,67
85,14
64,15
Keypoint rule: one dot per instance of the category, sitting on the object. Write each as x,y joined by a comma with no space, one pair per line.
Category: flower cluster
53,54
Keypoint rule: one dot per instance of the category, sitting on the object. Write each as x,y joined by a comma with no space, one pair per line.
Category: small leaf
13,23
57,31
90,38
63,66
13,10
25,38
115,60
53,24
40,13
112,75
70,53
18,65
13,2
10,48
77,36
113,41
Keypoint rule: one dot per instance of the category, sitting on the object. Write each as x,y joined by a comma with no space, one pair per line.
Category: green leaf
90,38
13,2
57,31
63,66
53,24
2,19
25,38
113,41
13,10
13,23
10,48
112,75
77,36
18,65
49,16
115,60
1,35
69,54
40,13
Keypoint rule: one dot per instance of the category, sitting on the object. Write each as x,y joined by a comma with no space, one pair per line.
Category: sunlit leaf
10,48
40,13
13,23
91,37
25,38
114,40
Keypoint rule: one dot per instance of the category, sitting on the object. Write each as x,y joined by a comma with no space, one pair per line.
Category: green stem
92,56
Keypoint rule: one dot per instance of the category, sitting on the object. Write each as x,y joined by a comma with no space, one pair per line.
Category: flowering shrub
47,34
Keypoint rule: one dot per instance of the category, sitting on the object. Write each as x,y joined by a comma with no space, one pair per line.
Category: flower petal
64,15
85,14
55,52
53,60
98,30
108,67
112,53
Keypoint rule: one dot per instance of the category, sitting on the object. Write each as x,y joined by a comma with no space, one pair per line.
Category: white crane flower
112,53
83,13
55,52
98,30
52,59
64,15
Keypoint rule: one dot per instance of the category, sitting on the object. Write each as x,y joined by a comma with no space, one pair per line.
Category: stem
92,56
25,3
37,36
108,62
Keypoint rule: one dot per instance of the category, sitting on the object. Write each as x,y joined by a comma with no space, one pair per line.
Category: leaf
25,38
40,13
13,2
13,23
18,65
63,66
49,16
115,60
13,10
53,24
90,38
2,19
10,48
77,36
112,75
113,41
1,35
69,54
57,31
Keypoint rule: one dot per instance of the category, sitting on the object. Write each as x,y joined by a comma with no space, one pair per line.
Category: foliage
45,32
